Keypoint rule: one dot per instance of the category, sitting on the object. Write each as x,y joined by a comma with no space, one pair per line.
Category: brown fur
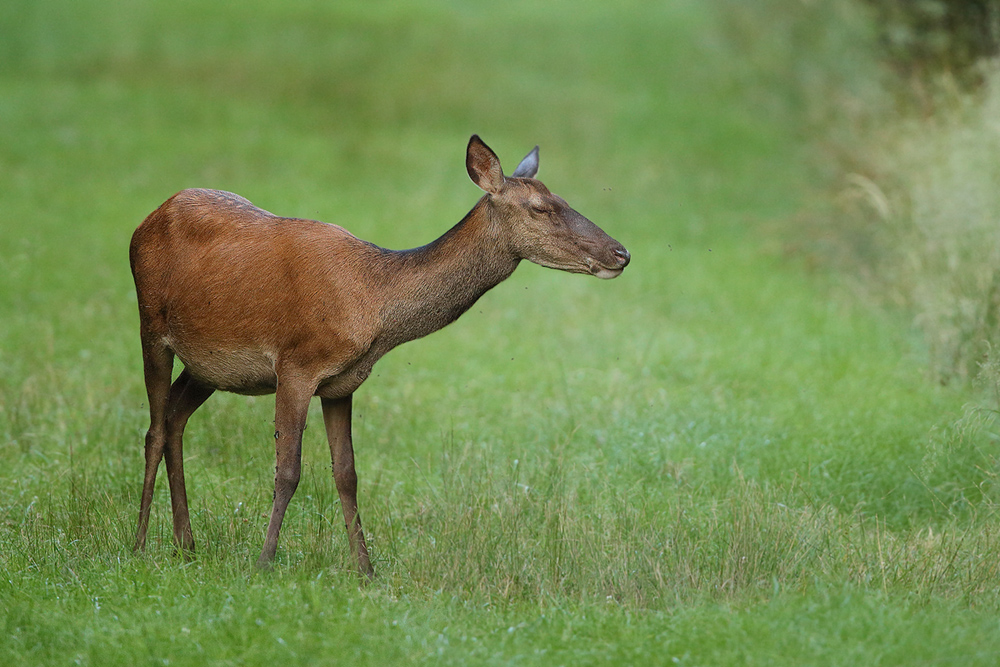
254,303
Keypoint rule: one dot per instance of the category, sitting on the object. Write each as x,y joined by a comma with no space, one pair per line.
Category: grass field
720,458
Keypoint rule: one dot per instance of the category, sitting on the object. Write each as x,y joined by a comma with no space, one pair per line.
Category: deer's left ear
529,165
483,166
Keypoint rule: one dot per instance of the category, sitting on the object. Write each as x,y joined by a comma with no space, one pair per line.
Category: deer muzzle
612,268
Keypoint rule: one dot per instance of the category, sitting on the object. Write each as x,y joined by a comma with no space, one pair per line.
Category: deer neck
433,285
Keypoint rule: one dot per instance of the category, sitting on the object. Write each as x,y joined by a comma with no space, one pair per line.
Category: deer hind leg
186,395
337,419
291,407
158,362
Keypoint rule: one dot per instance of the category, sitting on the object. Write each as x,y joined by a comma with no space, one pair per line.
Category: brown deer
254,303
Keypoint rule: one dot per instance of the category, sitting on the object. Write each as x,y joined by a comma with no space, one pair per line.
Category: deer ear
483,165
529,165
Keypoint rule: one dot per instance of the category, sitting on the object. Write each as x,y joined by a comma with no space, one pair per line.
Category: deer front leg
337,419
291,408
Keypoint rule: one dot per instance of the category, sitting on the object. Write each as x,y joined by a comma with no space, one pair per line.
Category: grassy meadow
723,457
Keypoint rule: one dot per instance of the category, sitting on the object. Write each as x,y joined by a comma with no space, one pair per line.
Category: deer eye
540,210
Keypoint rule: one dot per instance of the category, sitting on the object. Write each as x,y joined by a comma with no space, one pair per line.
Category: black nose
623,256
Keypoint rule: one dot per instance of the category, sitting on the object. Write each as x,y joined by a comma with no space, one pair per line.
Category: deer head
538,225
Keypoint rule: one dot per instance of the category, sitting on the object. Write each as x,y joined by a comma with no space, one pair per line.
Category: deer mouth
605,273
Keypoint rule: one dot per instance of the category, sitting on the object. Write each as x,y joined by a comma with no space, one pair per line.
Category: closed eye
540,210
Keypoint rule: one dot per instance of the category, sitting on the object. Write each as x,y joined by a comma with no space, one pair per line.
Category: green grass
721,457
928,192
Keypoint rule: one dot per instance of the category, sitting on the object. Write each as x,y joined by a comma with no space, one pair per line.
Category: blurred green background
767,427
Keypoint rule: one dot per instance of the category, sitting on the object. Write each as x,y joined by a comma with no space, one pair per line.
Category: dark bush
928,36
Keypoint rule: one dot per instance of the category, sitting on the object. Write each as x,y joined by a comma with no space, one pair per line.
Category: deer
255,304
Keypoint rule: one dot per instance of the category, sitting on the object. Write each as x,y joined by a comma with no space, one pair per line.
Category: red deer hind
253,303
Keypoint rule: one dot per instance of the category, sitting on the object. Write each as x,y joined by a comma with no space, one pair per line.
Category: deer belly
240,371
